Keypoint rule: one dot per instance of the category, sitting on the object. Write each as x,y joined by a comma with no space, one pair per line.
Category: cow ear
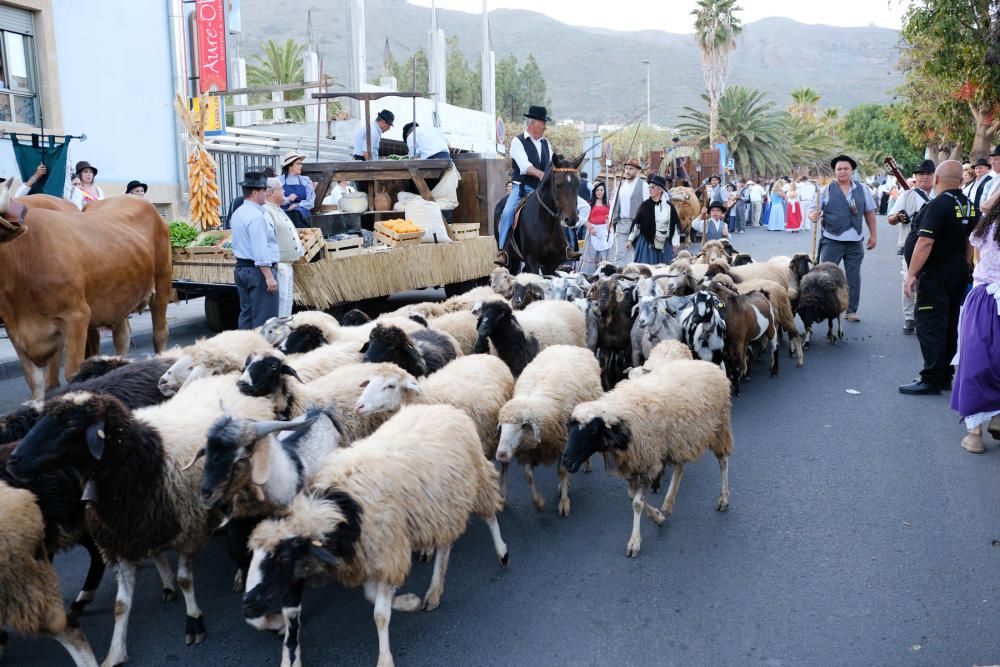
95,439
260,462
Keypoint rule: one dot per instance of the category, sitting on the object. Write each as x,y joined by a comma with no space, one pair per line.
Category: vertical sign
211,45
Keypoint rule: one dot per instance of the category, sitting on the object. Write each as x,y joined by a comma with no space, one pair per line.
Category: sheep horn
198,455
264,428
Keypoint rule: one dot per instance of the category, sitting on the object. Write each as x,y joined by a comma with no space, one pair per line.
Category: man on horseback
531,154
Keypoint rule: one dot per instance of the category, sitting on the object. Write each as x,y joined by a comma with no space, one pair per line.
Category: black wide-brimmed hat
717,204
925,167
387,116
843,158
83,164
254,179
132,185
996,151
658,181
981,162
538,113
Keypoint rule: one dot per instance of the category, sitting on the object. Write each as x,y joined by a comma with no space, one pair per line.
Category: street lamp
648,121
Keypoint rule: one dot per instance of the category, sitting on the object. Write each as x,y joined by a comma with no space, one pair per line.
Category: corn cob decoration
204,186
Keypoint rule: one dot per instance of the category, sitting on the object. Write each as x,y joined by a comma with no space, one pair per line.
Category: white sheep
324,359
775,269
461,325
533,422
223,353
651,422
30,600
661,355
517,337
410,486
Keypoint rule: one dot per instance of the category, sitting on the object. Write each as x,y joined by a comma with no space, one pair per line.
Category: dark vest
539,162
978,194
837,216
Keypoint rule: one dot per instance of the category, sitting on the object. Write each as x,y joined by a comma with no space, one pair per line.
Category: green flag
29,156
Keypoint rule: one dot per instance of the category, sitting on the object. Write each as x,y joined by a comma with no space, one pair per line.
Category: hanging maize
202,168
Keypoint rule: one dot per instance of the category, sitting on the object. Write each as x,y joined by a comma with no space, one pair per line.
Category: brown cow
63,271
688,207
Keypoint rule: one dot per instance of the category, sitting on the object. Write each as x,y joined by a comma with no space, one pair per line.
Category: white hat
290,157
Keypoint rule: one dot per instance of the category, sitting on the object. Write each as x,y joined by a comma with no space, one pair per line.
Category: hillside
595,74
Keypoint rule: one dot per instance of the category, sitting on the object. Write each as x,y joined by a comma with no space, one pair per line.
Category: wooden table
373,171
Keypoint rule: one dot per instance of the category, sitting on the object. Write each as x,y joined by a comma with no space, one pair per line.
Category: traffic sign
501,130
607,150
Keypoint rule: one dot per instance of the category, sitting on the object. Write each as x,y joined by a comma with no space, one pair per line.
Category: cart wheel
222,311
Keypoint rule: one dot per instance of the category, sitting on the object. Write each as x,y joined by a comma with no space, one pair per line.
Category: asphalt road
859,532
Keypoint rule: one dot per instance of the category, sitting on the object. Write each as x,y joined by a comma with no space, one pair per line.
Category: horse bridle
555,170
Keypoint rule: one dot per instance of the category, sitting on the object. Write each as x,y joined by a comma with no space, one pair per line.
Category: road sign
731,164
607,150
501,130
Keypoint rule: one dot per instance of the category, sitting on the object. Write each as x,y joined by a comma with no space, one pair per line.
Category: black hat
83,164
135,184
843,158
409,128
981,162
538,113
387,116
717,204
996,151
658,181
254,179
925,167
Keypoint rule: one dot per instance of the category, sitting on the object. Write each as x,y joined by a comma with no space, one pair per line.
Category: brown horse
538,240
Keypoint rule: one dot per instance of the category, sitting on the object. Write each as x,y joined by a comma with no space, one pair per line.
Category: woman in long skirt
793,216
976,393
654,233
776,213
597,246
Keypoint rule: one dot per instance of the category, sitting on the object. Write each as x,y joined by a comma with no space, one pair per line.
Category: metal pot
354,202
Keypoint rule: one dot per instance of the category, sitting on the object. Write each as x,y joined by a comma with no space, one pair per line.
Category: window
18,85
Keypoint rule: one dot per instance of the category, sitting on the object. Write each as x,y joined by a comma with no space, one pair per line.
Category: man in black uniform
941,260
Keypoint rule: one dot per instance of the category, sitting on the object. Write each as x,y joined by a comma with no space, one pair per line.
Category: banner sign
211,18
215,116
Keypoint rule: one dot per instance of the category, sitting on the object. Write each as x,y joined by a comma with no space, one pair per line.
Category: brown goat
749,321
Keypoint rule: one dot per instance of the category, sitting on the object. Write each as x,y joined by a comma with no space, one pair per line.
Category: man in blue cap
256,249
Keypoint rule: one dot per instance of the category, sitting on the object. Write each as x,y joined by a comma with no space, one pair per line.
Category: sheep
742,259
424,309
568,287
680,280
324,359
420,353
470,299
269,375
30,601
784,316
354,318
518,339
307,330
275,329
220,354
97,366
533,421
775,269
661,355
823,295
711,251
409,486
527,289
140,501
655,321
650,422
461,325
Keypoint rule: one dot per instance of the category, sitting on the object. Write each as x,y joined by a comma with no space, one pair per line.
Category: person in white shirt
756,203
807,199
979,185
427,143
289,246
991,193
630,194
903,211
383,121
339,189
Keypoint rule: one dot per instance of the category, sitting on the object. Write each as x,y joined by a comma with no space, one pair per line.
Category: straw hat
290,158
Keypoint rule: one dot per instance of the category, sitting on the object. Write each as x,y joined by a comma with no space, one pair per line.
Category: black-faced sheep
30,601
651,422
533,422
410,486
99,365
218,355
517,338
742,259
141,502
354,318
528,288
419,353
823,295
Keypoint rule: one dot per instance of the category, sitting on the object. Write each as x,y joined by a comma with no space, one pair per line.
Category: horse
538,240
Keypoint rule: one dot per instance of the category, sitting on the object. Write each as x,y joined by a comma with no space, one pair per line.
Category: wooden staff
819,196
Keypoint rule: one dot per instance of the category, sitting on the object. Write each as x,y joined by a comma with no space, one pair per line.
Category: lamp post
648,121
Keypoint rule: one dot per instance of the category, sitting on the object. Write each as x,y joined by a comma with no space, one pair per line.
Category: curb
11,368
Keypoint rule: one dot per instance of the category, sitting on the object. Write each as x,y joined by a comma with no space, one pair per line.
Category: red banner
211,45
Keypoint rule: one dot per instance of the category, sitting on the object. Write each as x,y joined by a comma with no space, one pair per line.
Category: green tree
957,54
716,28
532,83
279,64
404,73
749,124
804,102
809,144
874,131
519,87
464,87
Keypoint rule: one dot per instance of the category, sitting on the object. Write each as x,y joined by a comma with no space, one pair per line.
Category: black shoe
920,388
908,327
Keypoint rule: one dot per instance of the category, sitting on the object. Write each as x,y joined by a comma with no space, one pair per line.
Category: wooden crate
344,247
312,242
463,230
218,236
388,237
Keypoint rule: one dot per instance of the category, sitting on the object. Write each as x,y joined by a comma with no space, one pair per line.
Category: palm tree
754,131
804,101
809,144
279,64
831,115
716,29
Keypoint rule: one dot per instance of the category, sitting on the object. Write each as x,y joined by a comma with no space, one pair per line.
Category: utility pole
649,121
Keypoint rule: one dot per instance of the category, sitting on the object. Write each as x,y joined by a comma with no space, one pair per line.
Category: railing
233,165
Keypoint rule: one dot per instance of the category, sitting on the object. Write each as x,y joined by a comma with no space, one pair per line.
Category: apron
301,194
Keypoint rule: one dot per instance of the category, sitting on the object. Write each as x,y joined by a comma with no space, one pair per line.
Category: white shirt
429,141
991,187
520,158
624,193
336,192
757,193
361,141
911,202
806,190
582,210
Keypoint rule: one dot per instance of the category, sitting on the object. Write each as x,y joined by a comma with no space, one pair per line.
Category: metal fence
233,166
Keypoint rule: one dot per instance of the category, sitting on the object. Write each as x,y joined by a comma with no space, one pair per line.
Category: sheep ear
320,553
412,385
364,384
635,310
200,453
364,348
260,462
95,439
619,293
536,430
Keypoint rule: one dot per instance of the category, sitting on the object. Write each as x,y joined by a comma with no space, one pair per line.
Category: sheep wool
461,325
554,323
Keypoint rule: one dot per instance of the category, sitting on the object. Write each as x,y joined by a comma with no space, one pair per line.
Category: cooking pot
354,202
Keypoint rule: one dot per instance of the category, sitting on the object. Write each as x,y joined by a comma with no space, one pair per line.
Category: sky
675,15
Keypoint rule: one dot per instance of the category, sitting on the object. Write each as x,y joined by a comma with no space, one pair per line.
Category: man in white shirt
427,143
383,121
631,192
806,190
756,203
991,193
903,211
981,184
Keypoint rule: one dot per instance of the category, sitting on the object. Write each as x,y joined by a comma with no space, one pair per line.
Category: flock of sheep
329,450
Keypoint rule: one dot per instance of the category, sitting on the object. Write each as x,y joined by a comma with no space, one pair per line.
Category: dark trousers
257,305
939,298
851,253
